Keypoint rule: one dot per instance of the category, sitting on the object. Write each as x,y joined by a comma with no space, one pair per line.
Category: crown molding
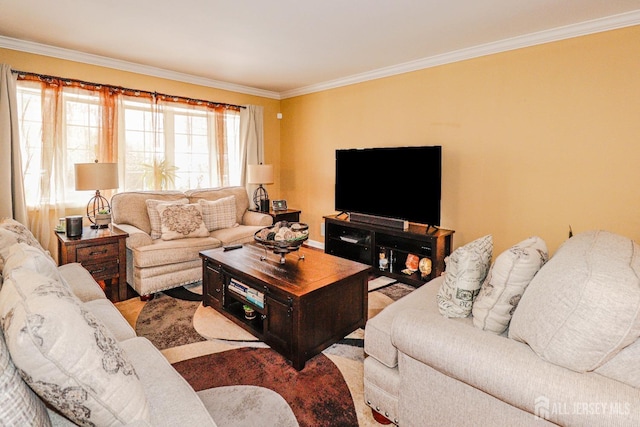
576,30
102,61
570,31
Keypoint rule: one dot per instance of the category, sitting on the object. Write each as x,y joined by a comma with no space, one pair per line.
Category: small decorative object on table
282,237
103,218
249,312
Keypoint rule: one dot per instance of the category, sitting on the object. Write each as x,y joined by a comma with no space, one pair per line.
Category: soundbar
399,224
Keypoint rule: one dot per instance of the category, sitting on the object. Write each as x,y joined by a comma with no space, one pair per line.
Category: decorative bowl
283,236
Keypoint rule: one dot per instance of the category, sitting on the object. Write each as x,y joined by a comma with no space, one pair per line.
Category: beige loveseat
570,355
160,261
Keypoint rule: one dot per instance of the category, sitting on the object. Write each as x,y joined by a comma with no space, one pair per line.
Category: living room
534,140
537,140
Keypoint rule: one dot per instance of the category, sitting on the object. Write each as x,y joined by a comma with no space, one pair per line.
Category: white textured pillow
218,214
19,405
466,269
180,221
154,216
583,306
22,255
67,355
12,232
507,280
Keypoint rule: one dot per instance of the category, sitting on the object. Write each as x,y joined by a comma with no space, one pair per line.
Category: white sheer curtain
13,203
251,141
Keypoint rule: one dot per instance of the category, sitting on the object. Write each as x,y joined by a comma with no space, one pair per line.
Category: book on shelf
256,297
238,287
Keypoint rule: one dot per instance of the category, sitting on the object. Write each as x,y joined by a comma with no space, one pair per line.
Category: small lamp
96,176
260,174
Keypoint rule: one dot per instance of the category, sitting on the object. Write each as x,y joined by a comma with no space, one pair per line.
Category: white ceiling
281,48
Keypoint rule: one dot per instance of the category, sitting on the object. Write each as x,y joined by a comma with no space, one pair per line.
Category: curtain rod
47,77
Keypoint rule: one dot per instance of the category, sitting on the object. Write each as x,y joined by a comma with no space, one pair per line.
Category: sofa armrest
137,237
507,369
256,218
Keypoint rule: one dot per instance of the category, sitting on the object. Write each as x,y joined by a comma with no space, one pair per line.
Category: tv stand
363,242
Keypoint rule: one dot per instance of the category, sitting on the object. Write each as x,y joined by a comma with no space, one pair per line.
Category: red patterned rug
318,395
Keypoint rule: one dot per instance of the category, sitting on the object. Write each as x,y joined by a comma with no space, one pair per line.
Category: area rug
210,351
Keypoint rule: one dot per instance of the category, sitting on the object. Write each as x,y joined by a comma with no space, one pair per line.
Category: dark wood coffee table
303,306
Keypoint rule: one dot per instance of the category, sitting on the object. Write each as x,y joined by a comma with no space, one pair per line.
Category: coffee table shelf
310,303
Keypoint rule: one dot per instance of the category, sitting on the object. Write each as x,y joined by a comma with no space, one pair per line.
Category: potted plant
249,312
103,218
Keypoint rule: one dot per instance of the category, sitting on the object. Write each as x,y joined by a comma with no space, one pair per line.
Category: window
158,144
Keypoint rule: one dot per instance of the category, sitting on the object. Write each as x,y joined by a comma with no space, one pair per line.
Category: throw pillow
466,268
66,355
583,306
219,213
12,232
19,405
23,255
179,221
154,216
507,280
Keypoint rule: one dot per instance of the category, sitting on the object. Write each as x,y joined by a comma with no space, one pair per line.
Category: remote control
231,247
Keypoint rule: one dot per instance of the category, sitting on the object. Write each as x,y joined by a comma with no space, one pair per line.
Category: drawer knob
104,251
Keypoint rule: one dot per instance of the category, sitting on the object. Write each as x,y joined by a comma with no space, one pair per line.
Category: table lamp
96,176
260,174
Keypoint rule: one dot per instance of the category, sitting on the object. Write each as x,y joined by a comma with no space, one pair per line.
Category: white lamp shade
260,174
96,176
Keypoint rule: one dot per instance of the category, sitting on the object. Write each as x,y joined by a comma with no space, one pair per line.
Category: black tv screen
396,182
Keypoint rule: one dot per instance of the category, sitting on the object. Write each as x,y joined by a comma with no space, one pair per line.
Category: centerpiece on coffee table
282,237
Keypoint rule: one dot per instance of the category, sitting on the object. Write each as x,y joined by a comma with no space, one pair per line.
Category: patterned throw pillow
66,355
179,221
19,405
466,269
23,255
154,217
219,213
506,282
12,232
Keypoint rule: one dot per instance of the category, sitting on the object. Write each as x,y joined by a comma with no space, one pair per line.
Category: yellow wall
534,140
61,68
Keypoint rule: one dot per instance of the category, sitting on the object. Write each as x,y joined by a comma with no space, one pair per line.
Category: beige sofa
68,357
570,355
154,263
76,351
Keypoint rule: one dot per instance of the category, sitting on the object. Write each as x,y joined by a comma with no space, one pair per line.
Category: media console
363,242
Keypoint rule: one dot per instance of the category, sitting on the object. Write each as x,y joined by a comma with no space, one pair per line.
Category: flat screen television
396,182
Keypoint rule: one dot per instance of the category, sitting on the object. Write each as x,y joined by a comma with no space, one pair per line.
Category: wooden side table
103,253
290,215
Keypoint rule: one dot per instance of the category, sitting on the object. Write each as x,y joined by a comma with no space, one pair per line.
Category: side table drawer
103,270
94,253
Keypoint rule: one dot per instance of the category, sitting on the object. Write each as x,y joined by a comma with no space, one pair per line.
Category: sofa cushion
81,282
130,207
167,252
583,306
507,280
172,401
219,213
240,193
110,316
154,215
235,235
66,354
466,269
624,366
22,255
377,333
180,221
19,405
12,232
